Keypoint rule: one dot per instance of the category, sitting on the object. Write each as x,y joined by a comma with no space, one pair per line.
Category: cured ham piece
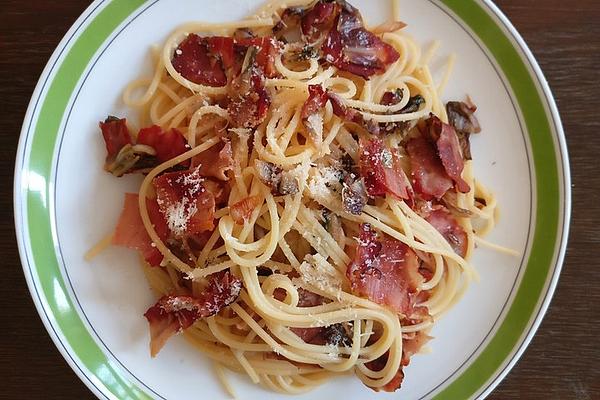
211,60
429,177
131,233
172,314
385,271
267,48
352,48
449,151
449,228
193,60
319,20
125,156
242,210
167,144
186,205
336,29
381,170
116,135
309,299
379,364
409,348
215,162
248,99
350,114
312,117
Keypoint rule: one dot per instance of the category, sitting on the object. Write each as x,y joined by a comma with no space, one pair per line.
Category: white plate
64,203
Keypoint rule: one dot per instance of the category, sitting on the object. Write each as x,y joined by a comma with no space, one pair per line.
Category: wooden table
563,360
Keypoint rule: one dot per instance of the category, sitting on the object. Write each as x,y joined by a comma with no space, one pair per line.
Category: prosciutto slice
429,177
167,144
184,202
131,233
449,151
195,62
171,314
312,118
352,48
215,162
385,271
381,170
449,228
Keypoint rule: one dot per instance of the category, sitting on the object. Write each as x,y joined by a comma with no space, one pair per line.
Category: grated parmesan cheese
179,303
326,179
191,182
315,121
316,271
179,214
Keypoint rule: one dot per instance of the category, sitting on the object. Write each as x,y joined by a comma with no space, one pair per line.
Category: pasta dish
308,205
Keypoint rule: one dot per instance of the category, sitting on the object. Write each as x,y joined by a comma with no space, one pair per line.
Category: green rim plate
34,216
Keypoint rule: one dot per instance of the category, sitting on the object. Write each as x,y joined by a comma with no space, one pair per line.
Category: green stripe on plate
65,316
44,140
547,205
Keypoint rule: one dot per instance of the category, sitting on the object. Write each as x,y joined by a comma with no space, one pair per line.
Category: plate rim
22,189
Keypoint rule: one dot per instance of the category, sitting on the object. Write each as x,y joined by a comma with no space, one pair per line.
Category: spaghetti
276,220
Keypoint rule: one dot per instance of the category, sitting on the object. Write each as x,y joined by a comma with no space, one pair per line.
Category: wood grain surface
563,360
